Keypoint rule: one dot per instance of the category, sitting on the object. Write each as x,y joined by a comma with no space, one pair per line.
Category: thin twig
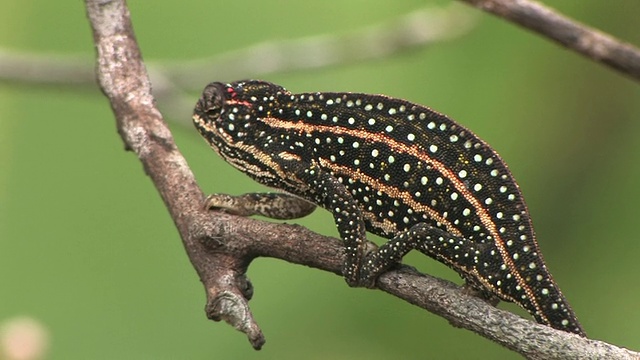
593,44
172,81
221,246
46,69
418,28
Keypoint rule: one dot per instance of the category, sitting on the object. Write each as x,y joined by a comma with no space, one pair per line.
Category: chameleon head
227,113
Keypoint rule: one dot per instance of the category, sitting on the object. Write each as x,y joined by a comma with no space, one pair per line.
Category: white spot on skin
374,153
391,159
406,168
411,137
424,180
433,148
454,196
462,174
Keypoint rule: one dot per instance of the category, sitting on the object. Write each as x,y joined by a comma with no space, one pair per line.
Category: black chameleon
390,167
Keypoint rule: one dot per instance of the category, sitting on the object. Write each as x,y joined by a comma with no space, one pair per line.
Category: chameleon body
393,168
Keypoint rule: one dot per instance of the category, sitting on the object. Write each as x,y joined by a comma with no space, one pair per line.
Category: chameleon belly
396,169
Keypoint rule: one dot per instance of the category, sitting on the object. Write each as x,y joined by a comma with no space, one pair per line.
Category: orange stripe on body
414,151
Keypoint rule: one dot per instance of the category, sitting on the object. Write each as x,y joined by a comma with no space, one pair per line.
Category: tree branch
221,246
578,37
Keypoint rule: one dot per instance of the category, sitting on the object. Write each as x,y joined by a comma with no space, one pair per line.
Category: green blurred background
88,250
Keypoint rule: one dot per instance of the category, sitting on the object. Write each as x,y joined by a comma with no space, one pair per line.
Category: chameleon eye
212,101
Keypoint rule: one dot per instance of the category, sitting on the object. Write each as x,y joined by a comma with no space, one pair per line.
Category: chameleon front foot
272,205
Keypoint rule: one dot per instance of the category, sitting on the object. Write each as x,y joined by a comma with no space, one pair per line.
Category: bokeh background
88,251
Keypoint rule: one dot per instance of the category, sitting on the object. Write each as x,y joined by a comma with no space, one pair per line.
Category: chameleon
389,167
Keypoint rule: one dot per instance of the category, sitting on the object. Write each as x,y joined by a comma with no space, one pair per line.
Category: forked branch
221,246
